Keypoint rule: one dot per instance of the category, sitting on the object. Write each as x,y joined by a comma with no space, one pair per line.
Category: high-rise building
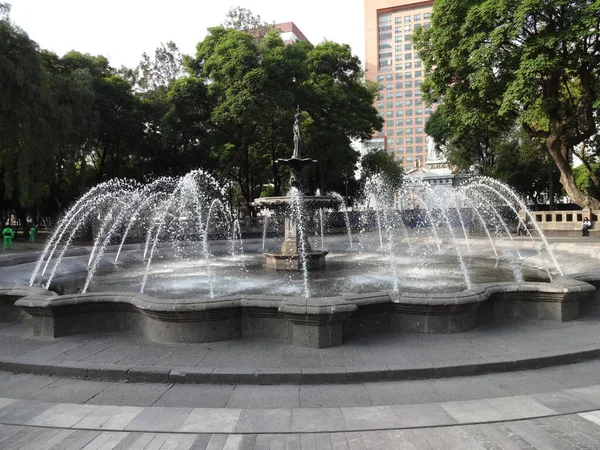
392,61
290,33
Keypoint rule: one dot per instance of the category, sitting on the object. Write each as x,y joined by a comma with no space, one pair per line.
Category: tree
534,62
243,19
378,162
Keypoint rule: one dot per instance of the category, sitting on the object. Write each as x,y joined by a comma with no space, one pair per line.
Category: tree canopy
534,63
68,122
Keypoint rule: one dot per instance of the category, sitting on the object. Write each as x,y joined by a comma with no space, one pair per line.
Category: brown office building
290,33
391,61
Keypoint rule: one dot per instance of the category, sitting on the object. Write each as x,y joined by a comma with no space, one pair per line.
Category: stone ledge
315,322
287,376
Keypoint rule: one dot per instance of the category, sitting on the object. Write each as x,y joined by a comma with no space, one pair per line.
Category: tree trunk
558,153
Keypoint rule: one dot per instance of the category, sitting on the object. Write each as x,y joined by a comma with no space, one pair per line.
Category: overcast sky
123,29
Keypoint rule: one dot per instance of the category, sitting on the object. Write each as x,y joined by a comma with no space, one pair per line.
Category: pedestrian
32,233
9,235
585,231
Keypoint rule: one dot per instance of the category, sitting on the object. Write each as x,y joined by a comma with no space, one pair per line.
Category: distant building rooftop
290,33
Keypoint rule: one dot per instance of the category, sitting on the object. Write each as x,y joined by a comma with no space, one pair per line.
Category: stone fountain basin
309,322
320,321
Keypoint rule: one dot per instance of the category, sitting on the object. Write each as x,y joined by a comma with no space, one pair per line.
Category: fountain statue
296,253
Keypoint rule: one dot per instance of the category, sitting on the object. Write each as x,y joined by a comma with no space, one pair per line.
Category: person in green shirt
32,233
9,235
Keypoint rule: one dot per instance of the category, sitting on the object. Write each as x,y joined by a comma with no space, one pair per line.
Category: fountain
296,253
167,260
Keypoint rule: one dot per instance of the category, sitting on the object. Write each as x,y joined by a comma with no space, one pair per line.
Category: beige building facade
392,61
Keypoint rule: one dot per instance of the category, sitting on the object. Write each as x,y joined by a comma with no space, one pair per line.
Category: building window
419,130
407,56
399,104
389,104
409,149
418,83
418,139
407,84
418,102
400,150
407,37
408,93
389,114
406,19
407,28
380,105
380,78
379,96
398,57
426,16
399,113
398,38
407,102
418,149
409,121
408,65
389,141
419,111
427,25
417,17
408,75
398,76
418,120
389,77
408,131
398,30
409,158
418,64
389,95
398,67
407,47
418,73
399,131
418,93
391,151
389,86
398,48
389,123
398,20
399,94
380,114
398,84
390,132
399,141
408,112
399,122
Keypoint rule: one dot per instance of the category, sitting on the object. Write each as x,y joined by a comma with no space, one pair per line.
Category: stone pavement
554,408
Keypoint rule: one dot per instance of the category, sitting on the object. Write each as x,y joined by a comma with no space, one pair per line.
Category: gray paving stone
206,420
159,419
527,382
404,393
247,396
421,415
109,417
21,411
200,396
19,385
316,420
467,388
333,395
265,421
520,407
536,436
472,411
68,391
130,394
63,415
564,403
217,442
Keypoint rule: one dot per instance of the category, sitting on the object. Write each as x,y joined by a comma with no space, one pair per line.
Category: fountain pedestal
291,249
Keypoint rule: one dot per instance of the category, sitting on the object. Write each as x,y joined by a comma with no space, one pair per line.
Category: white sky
123,29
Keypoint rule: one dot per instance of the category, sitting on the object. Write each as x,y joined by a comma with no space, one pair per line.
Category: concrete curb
277,376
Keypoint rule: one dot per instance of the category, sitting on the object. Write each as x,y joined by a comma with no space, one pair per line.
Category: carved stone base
292,263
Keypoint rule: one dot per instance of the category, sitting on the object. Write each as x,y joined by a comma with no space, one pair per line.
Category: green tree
378,162
534,62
